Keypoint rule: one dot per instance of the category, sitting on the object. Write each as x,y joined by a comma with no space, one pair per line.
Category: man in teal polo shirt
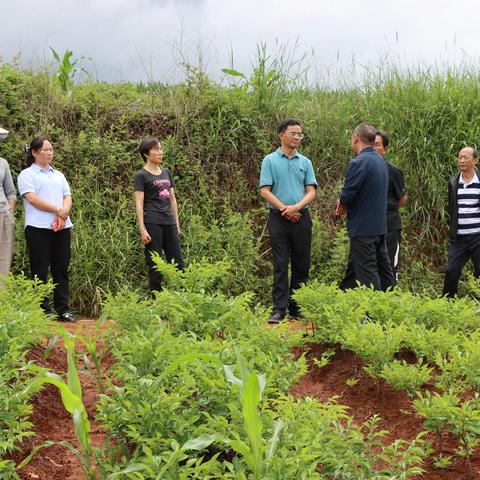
288,184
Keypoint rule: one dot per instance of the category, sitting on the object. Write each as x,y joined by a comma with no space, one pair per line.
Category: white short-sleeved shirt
50,185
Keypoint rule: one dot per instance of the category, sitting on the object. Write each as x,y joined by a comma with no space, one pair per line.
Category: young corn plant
71,394
251,386
66,70
95,352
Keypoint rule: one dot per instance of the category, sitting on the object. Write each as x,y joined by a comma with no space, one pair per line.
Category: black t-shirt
396,190
156,201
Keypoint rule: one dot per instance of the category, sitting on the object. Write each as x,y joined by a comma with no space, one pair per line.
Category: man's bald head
363,136
366,133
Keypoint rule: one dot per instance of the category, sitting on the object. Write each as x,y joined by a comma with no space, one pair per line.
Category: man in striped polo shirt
464,209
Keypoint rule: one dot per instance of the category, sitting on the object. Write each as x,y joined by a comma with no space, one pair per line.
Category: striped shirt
468,197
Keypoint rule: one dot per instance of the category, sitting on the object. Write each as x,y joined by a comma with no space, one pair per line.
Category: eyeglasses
295,134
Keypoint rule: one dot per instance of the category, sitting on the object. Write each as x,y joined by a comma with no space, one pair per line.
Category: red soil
365,399
52,422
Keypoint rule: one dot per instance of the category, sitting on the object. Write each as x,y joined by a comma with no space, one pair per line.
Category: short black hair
288,123
384,136
146,145
367,133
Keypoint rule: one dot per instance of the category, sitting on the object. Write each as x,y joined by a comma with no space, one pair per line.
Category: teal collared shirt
288,177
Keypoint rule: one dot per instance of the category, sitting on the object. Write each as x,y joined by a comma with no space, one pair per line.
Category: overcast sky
141,40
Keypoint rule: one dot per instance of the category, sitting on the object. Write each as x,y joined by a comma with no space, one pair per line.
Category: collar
283,154
37,168
473,180
366,149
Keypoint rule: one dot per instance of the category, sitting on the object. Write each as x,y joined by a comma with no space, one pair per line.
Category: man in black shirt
396,198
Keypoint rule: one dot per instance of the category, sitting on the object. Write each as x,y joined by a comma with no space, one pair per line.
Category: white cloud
141,39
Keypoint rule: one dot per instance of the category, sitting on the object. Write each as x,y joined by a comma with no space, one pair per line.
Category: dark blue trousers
459,252
291,243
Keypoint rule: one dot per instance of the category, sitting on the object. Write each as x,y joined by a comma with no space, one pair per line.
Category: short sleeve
266,177
170,176
66,187
25,183
310,175
398,184
139,182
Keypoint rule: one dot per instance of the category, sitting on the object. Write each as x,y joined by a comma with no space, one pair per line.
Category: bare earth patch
52,422
365,399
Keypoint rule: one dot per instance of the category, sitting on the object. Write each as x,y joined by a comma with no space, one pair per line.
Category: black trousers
290,242
47,248
459,252
368,263
393,247
166,238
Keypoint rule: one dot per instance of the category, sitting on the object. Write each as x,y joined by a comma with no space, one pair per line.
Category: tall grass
215,137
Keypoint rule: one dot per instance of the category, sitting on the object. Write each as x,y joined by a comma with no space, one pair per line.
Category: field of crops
193,384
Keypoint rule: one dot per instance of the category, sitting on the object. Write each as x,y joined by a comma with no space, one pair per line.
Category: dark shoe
67,317
276,317
295,316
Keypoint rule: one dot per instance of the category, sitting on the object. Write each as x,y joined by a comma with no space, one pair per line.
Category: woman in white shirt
47,201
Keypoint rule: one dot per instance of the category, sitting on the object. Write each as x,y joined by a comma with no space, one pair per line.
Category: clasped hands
60,220
290,212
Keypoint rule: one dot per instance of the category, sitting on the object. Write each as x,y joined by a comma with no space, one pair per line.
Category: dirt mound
52,422
365,398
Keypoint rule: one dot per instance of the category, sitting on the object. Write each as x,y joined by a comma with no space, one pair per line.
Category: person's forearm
139,204
67,202
40,203
12,202
306,200
139,212
268,196
174,206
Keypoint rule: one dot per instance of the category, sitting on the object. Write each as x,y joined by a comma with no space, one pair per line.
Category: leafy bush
22,324
201,386
214,138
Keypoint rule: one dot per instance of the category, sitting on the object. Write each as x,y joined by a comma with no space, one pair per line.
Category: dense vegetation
22,325
200,388
214,138
204,394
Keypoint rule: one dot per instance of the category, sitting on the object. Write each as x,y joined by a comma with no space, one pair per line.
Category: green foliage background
215,137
